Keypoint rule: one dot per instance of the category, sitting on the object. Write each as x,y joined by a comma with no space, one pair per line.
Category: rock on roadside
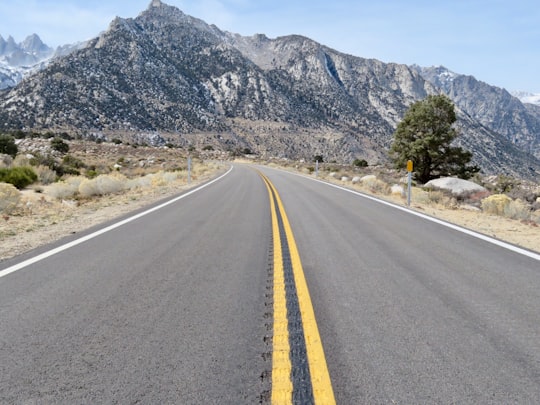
458,187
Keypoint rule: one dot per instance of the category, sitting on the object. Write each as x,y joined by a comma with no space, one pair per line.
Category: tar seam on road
299,370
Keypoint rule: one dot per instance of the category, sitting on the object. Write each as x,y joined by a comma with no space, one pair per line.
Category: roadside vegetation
425,136
504,196
47,179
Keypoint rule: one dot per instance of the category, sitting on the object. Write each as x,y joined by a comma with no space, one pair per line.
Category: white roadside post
317,168
189,169
409,181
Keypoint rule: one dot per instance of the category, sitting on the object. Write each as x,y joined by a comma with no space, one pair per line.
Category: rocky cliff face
493,107
286,97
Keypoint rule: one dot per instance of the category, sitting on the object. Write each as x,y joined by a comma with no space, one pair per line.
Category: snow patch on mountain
526,97
19,60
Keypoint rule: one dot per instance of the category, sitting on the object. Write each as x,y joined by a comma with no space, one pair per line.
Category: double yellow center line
299,371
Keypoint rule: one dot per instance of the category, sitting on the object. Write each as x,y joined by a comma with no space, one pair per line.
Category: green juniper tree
425,136
7,145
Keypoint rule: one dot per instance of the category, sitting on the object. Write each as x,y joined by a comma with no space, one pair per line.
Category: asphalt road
173,307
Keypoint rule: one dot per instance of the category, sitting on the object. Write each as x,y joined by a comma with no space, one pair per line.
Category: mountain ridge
167,72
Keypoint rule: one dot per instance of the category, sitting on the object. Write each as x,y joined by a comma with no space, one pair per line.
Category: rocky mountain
493,107
166,72
29,52
18,60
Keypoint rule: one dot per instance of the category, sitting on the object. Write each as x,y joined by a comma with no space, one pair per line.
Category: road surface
179,305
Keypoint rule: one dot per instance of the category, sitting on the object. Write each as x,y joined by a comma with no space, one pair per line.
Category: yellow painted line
281,363
323,393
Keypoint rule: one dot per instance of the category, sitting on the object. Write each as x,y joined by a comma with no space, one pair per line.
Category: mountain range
290,97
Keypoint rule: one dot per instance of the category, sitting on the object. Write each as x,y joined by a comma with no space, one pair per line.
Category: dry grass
47,212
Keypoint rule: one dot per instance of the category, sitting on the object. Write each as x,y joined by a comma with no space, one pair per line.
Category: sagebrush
9,198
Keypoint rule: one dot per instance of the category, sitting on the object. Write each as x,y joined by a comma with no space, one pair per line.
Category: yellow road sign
409,166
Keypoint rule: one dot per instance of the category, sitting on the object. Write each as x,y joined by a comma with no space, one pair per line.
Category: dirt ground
44,219
526,235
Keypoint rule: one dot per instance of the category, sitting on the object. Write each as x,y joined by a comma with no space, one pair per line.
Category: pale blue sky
497,41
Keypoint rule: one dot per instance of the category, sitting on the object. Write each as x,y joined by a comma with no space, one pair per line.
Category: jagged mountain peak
34,44
161,17
159,7
8,46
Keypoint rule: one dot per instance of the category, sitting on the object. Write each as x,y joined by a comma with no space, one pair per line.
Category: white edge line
478,235
76,242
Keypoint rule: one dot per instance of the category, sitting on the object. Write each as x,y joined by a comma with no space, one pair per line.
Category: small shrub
436,197
8,146
102,185
45,160
20,177
376,186
138,182
74,181
67,188
360,163
67,170
21,161
61,190
66,136
420,196
5,160
19,134
158,180
504,184
59,145
495,204
517,209
169,177
74,162
9,198
45,174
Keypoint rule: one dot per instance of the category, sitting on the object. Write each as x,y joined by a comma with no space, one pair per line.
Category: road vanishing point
263,286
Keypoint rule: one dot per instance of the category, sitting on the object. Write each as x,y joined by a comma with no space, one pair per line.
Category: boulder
397,190
458,187
369,177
